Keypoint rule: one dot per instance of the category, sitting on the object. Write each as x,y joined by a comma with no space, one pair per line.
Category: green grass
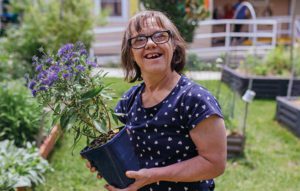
271,161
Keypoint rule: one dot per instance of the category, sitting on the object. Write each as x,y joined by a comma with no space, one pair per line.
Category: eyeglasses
158,37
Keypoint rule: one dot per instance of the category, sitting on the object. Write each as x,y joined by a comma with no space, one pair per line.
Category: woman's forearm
194,169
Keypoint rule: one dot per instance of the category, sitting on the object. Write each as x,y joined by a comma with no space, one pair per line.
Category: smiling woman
175,125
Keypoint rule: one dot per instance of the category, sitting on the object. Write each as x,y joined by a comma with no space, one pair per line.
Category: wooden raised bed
235,145
288,113
264,87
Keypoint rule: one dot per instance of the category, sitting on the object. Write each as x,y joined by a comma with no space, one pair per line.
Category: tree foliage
47,24
184,13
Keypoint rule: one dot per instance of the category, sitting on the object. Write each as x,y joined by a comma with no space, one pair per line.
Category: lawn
271,160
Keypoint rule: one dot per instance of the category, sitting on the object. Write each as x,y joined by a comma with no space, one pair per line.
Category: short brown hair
132,70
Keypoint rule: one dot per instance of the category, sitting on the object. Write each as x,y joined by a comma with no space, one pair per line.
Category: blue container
113,159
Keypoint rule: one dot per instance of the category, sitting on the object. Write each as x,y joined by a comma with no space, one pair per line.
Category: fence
261,35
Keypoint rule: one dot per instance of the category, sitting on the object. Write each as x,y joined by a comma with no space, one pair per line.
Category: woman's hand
92,169
142,178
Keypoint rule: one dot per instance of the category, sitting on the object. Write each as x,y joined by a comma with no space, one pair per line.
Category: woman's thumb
131,174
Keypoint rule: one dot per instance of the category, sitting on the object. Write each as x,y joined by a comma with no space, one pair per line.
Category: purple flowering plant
76,96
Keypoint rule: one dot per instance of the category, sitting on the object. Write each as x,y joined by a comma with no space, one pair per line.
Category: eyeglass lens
157,37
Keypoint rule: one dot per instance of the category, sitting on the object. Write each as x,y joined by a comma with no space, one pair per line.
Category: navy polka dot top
160,134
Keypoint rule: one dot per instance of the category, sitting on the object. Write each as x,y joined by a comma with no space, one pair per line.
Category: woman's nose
150,43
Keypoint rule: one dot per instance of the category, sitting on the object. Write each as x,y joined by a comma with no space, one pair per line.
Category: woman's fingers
99,176
88,165
110,187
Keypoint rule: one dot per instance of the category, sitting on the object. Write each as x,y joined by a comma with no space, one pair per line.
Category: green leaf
57,108
91,93
54,120
64,120
100,128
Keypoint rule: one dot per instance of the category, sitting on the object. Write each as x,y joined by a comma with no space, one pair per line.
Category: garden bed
288,113
264,87
235,145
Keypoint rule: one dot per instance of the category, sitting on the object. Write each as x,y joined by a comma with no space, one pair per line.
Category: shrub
193,62
276,62
19,115
184,14
20,166
48,24
9,70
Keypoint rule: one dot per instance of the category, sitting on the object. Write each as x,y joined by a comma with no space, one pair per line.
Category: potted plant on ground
72,87
267,76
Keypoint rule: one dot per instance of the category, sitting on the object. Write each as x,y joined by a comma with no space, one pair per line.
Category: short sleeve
199,104
124,104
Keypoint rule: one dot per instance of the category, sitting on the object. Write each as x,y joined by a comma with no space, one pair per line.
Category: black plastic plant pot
113,159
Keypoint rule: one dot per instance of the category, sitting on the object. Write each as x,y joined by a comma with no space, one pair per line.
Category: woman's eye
139,39
160,36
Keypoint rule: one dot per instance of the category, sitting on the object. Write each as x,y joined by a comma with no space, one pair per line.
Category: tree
184,13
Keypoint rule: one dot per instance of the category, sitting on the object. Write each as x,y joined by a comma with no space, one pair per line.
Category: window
115,7
118,9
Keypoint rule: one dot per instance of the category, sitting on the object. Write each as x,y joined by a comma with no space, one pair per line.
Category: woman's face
153,58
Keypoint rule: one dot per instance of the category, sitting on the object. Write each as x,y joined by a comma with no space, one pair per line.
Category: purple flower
91,63
39,67
80,68
49,60
66,48
54,68
32,84
66,75
42,88
41,75
45,82
82,52
33,92
53,76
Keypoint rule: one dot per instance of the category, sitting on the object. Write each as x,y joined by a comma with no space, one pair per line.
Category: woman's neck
159,82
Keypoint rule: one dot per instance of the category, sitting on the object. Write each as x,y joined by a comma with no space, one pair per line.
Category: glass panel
115,6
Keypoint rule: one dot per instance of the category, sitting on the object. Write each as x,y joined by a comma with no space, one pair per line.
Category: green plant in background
278,61
194,63
64,83
20,116
48,24
184,13
275,63
254,65
20,167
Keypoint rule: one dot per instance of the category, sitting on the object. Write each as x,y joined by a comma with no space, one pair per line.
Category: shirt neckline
162,101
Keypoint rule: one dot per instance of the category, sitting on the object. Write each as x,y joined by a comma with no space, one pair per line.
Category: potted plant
267,76
235,140
72,87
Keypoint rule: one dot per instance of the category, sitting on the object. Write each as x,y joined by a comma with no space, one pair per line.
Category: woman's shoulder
132,91
192,88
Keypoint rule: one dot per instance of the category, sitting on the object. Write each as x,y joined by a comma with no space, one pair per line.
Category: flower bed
288,113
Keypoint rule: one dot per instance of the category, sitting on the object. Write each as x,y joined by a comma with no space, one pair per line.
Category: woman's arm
209,136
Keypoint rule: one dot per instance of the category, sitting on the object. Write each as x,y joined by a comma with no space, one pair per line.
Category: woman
175,124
